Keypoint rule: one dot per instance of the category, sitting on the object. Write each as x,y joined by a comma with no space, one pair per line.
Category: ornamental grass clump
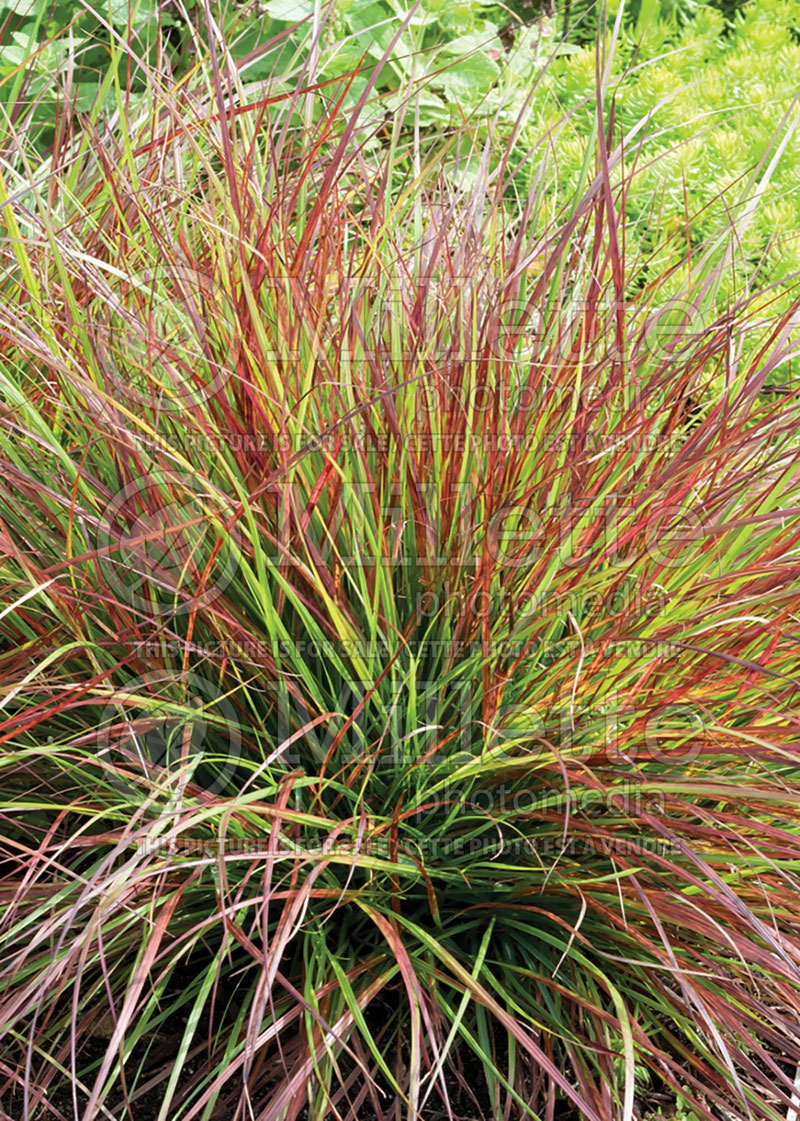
398,658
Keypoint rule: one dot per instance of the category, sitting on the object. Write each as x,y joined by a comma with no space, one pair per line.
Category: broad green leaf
289,11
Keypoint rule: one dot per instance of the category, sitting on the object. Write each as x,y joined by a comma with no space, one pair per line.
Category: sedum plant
702,100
